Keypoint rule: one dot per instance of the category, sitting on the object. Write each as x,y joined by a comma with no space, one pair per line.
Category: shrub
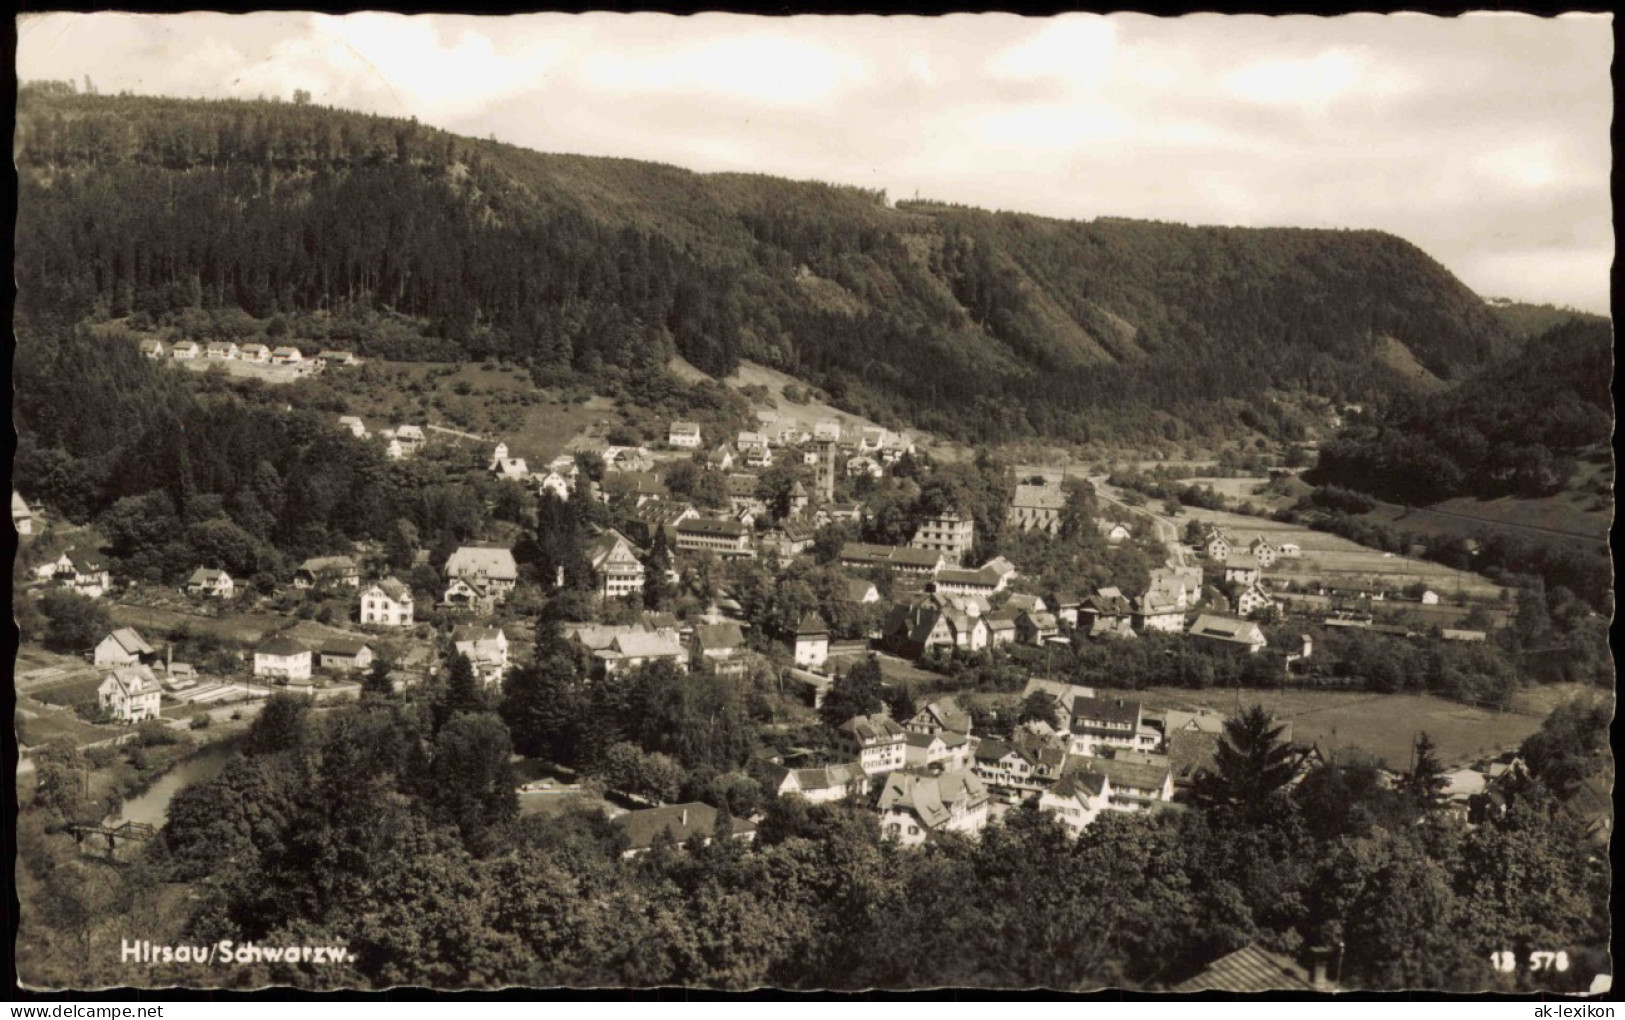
201,721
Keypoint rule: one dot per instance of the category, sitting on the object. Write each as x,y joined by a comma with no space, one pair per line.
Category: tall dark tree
543,703
282,725
1251,765
1425,783
855,692
462,692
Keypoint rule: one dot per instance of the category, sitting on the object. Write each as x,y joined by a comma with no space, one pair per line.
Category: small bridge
112,843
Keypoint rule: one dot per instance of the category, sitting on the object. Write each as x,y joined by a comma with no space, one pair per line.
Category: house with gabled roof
287,355
861,590
939,716
1241,568
903,559
688,825
811,642
338,359
207,582
220,350
258,354
386,603
876,742
130,694
1098,724
344,655
1217,545
84,572
1077,799
493,566
826,785
638,648
615,562
934,622
1038,507
123,647
1034,627
957,581
185,350
1264,551
942,751
152,349
913,807
282,658
469,595
1139,780
1250,598
719,645
486,648
1229,632
684,435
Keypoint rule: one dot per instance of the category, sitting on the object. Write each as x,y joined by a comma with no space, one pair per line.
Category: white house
1241,568
86,573
206,582
282,658
287,356
1228,631
555,484
812,642
1264,551
357,427
1252,598
913,806
1430,598
876,742
684,434
1077,799
387,603
130,694
152,349
22,518
1116,532
123,647
345,655
259,354
486,649
321,571
220,350
1117,724
616,563
186,350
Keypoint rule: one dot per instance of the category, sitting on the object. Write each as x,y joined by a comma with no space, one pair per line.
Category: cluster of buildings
1239,568
255,354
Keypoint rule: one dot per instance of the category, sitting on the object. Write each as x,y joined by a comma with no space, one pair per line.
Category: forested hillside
1515,429
975,325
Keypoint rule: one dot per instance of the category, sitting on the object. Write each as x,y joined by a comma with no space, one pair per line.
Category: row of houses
260,354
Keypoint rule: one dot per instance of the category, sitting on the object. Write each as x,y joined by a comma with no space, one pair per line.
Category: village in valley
962,670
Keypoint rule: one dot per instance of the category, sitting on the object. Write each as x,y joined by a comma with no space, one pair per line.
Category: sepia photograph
727,504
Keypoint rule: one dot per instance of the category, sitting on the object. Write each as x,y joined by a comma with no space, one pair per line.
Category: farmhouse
469,595
1241,568
1216,545
1161,608
486,649
123,647
791,538
1263,551
130,694
185,350
387,603
259,354
287,356
1038,506
344,655
207,582
1034,627
692,824
491,566
554,484
876,742
86,573
282,658
1251,598
913,807
220,350
1138,781
323,571
821,785
938,621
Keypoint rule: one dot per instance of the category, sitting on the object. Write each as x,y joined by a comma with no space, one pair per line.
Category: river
152,806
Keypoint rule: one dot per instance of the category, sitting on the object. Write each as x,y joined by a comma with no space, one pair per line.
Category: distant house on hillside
287,356
338,359
153,349
638,648
1241,568
357,427
220,350
1217,546
719,645
257,354
84,572
811,642
912,807
345,655
687,825
184,350
616,563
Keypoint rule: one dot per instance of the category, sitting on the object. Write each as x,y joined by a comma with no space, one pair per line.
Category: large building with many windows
949,533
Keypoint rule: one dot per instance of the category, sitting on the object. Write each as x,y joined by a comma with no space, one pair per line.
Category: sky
1483,139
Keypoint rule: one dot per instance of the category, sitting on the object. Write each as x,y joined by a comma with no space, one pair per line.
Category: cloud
1076,49
766,67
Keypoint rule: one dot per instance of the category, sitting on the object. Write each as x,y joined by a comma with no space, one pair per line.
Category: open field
1563,516
38,724
155,621
1383,725
1338,561
275,374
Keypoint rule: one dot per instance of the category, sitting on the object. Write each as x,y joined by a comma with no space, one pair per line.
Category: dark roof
342,646
867,728
719,635
1105,710
1190,751
682,820
811,625
711,526
283,646
1249,969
